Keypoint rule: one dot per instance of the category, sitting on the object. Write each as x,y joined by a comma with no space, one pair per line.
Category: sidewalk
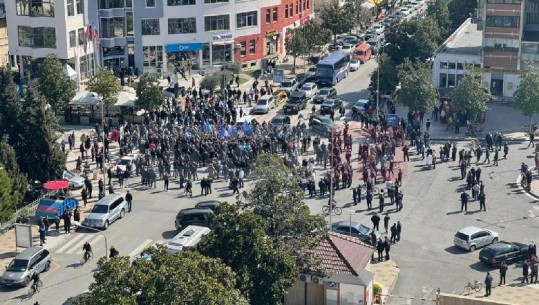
513,293
386,274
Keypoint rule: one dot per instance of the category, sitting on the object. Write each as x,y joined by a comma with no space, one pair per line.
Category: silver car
21,269
75,181
356,229
106,211
264,104
471,238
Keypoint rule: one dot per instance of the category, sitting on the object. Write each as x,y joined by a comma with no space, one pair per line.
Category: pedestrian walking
464,201
57,223
505,150
373,243
503,272
399,230
488,284
381,202
482,199
47,225
129,199
41,230
375,222
386,222
67,221
532,137
76,215
84,195
369,199
495,161
165,182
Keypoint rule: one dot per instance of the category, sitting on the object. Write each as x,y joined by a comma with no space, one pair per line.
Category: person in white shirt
241,175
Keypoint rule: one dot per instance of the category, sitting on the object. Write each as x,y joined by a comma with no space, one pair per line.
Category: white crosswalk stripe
69,243
96,239
75,247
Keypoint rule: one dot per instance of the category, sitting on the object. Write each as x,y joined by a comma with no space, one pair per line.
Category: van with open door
363,52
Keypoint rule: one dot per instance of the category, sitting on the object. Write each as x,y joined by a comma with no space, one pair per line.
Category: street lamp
78,224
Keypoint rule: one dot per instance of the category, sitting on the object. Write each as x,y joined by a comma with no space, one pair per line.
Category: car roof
348,223
309,84
107,200
330,100
298,94
208,202
289,79
195,211
266,96
499,245
470,230
29,253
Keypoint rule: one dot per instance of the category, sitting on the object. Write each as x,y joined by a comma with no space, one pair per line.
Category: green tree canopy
184,278
149,97
438,10
10,107
527,93
263,272
296,44
338,19
388,76
417,91
105,84
470,96
7,201
460,10
53,84
315,35
8,159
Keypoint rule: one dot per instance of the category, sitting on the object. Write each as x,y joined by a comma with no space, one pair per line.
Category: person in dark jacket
387,247
76,215
41,230
399,229
381,202
84,195
129,199
113,252
464,201
380,249
488,284
375,222
369,199
373,242
393,230
525,271
503,272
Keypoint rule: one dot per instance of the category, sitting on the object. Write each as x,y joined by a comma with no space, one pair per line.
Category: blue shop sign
184,47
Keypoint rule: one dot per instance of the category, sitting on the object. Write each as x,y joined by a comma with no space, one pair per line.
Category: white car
348,48
310,89
471,238
75,181
405,11
264,104
354,65
289,85
188,237
378,28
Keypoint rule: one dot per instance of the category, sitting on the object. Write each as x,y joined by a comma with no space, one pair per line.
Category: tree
105,84
460,10
8,159
7,201
53,84
210,82
470,96
315,35
439,11
296,43
149,96
417,91
10,107
184,278
38,153
388,76
527,93
336,18
263,272
221,77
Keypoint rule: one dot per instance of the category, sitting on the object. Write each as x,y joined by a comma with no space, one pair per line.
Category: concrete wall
449,299
296,294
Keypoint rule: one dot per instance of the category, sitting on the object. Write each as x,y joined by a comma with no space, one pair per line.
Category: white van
189,237
106,211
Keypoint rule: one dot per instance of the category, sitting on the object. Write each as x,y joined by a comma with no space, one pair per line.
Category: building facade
4,44
38,28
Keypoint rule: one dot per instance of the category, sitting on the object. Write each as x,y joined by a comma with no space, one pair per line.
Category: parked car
106,211
75,181
378,28
334,47
405,11
354,65
264,104
321,125
289,85
323,94
192,216
310,89
280,120
361,105
471,238
303,78
348,48
296,102
494,254
356,229
210,204
329,104
188,237
21,269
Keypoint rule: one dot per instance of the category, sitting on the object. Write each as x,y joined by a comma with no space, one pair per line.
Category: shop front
113,58
271,50
222,48
184,55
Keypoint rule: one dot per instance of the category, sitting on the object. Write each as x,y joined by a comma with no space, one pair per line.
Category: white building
38,28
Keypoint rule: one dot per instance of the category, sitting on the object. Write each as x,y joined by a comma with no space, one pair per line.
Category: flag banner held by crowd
247,129
223,133
188,133
233,132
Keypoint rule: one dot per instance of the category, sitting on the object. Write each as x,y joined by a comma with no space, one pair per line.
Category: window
37,8
308,2
286,11
443,65
504,1
70,8
243,48
215,1
129,23
112,27
86,66
42,37
252,47
268,15
503,21
150,27
275,14
451,66
72,39
297,7
460,66
150,3
82,36
291,10
451,80
108,4
80,7
181,2
216,23
152,56
182,25
128,3
246,19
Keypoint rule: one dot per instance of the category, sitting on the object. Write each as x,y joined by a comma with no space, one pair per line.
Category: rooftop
467,39
342,254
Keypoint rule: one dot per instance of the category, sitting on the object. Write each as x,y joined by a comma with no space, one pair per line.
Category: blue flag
207,127
247,129
188,133
223,133
233,132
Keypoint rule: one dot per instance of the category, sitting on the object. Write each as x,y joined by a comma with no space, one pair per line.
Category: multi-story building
4,46
38,28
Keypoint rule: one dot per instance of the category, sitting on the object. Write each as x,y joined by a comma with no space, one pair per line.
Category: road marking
141,247
74,247
69,243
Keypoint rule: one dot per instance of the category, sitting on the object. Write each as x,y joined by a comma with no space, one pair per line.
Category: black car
321,125
510,252
193,216
329,104
280,120
210,204
354,228
303,78
296,102
323,94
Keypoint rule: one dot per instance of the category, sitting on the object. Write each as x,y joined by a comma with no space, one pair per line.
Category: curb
390,289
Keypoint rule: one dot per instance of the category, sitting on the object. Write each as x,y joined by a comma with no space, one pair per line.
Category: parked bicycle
477,286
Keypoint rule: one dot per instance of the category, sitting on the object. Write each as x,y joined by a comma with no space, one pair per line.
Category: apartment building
38,28
4,45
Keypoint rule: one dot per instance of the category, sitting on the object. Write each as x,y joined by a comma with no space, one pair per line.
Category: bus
332,69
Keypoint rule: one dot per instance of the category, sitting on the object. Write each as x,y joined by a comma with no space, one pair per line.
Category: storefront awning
85,98
70,72
223,42
367,5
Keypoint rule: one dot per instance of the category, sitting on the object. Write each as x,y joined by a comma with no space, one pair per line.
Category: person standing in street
496,152
41,230
532,137
373,243
482,198
84,195
165,182
129,199
375,222
525,271
381,202
399,230
505,150
380,249
393,229
488,284
387,247
503,272
464,201
76,215
369,199
386,222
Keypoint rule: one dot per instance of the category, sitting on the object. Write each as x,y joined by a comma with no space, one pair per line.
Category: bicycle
477,286
326,210
35,288
85,259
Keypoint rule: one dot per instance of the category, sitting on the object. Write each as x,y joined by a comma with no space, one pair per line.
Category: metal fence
26,211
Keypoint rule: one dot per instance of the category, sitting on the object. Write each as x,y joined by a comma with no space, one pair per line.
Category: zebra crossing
97,241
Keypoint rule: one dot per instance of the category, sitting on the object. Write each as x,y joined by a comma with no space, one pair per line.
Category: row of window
503,21
189,25
35,8
301,5
153,55
504,1
458,65
252,47
73,35
40,37
75,7
108,4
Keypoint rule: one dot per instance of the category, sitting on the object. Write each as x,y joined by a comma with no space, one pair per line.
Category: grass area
253,73
243,80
